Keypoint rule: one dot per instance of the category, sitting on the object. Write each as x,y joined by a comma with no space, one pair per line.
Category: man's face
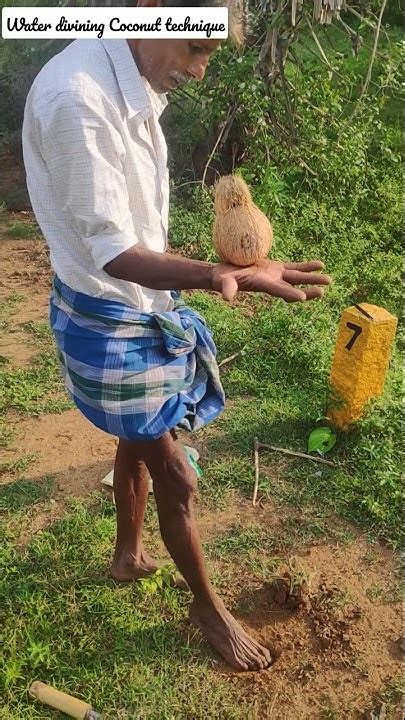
169,64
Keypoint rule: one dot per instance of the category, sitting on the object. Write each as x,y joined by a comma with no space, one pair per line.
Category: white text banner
139,22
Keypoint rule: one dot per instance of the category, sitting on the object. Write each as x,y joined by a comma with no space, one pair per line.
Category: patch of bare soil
337,646
25,264
16,350
67,448
237,512
26,271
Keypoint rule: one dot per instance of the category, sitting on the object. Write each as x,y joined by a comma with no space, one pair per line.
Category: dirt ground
336,638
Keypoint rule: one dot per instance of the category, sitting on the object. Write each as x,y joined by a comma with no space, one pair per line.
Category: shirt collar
140,98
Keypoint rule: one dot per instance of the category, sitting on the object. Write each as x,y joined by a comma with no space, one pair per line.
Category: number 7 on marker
357,330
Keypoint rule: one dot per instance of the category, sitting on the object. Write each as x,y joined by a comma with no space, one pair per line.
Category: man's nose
197,68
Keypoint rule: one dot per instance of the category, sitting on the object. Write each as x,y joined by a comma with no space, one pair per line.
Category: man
136,361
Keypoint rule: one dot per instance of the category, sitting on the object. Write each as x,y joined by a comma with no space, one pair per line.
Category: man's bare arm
162,271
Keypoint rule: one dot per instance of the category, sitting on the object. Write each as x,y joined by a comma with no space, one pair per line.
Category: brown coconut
242,233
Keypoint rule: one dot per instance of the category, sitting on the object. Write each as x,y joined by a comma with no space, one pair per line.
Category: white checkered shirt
96,166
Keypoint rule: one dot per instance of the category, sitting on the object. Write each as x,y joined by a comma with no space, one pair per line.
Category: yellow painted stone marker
362,354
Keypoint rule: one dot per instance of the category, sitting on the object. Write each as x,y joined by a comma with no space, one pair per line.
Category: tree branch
229,119
318,44
371,63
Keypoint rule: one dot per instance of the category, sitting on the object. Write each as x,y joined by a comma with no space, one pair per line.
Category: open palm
274,278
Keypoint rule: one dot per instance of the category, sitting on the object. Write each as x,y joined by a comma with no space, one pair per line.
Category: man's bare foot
228,637
126,568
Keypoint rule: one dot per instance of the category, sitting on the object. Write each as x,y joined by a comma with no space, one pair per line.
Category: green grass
21,494
392,695
35,390
41,333
22,230
8,307
121,649
252,546
7,433
126,651
386,594
18,466
278,389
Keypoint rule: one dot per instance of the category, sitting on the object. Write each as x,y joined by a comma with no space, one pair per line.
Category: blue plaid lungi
133,374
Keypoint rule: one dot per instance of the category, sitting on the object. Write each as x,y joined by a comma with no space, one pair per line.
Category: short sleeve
84,153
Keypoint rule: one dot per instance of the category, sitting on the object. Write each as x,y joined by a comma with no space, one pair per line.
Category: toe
259,657
267,656
239,664
259,662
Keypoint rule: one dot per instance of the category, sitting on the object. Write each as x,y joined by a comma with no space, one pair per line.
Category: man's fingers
286,292
313,293
305,266
292,294
229,287
297,277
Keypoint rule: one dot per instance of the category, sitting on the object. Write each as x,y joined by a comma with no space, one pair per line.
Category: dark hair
237,14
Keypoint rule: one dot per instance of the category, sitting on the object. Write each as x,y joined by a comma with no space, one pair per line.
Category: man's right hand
164,271
274,278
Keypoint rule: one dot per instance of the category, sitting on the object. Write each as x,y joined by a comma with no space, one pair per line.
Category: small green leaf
321,440
151,587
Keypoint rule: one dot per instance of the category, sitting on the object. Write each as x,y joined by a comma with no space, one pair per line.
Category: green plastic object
191,455
321,440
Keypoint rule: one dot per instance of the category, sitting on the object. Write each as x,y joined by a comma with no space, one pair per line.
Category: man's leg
174,484
131,489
